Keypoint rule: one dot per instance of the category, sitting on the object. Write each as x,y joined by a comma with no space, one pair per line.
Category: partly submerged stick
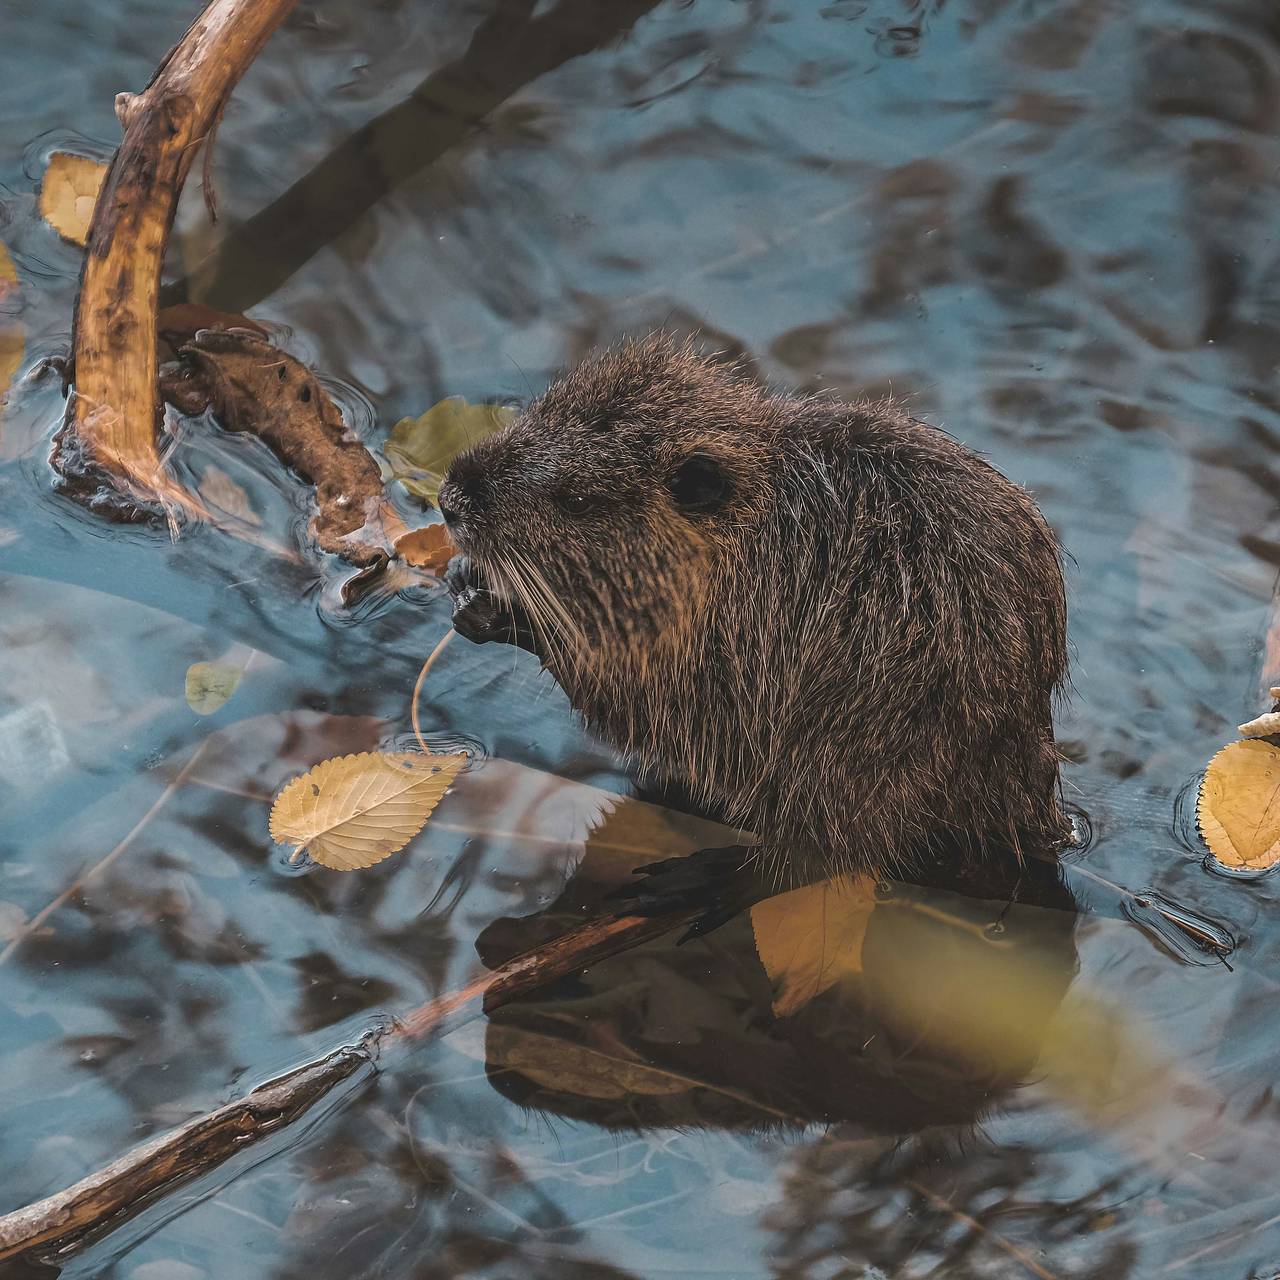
115,1193
116,400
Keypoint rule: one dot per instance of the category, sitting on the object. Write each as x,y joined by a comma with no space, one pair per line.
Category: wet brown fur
857,653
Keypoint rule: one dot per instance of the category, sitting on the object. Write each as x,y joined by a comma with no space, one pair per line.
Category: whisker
524,588
555,606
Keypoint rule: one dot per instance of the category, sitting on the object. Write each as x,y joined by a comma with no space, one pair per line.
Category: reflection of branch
114,1193
508,51
106,860
116,403
940,1202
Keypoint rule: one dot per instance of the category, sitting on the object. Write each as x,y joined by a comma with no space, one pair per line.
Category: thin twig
104,862
110,1196
1216,1245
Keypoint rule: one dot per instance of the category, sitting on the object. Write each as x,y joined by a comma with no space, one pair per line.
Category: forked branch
116,403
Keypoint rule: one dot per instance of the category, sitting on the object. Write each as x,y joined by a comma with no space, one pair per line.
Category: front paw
478,614
717,884
462,575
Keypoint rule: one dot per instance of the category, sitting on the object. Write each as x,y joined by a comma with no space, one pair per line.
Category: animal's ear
699,483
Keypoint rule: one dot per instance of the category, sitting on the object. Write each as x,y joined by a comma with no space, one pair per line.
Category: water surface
1050,226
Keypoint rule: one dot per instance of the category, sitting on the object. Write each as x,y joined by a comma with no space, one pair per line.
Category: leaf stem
417,688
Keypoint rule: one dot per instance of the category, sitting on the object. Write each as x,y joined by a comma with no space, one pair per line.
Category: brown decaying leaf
812,937
1239,805
68,193
428,548
354,811
181,322
253,386
11,336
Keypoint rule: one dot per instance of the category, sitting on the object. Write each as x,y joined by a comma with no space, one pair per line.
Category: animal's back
876,659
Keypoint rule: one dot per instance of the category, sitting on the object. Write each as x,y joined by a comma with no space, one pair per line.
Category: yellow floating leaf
1239,805
210,684
420,449
428,548
812,937
69,192
222,493
8,274
353,811
11,336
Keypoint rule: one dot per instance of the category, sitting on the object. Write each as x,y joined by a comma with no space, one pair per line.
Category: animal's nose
464,492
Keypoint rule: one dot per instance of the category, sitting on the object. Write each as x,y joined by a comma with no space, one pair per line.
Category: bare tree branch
116,403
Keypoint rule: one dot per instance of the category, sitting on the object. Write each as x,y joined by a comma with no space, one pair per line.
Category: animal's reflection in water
892,1007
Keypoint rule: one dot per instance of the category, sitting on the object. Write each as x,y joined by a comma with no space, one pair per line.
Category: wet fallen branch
113,415
109,1197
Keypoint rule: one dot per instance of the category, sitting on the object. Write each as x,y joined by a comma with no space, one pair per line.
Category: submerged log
113,415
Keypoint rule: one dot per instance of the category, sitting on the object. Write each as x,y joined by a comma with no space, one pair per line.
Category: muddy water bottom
1052,228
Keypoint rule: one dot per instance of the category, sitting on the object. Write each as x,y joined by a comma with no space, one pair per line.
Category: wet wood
116,405
253,386
117,1192
120,1189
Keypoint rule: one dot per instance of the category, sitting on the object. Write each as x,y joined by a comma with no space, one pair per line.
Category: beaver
835,625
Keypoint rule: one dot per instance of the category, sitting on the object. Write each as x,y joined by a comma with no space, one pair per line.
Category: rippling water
1052,226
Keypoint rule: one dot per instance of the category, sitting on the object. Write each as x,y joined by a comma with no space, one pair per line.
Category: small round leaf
1239,805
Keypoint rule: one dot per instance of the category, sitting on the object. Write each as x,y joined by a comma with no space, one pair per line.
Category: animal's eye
699,484
577,504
